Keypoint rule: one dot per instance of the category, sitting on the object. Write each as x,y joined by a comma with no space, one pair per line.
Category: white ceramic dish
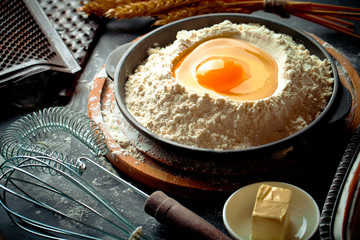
305,214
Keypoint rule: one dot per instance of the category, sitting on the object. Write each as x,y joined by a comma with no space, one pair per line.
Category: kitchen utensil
40,187
165,35
78,30
49,198
340,215
29,43
17,138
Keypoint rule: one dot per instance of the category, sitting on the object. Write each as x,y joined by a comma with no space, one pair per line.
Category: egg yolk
228,67
220,74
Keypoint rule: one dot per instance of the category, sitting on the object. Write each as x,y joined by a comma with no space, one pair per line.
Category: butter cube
271,213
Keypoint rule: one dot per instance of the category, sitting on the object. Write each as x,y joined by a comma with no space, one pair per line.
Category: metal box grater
29,43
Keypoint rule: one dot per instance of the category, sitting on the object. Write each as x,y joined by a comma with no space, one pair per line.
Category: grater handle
171,213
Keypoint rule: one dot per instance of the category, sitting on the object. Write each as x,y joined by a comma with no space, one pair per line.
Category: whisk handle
171,213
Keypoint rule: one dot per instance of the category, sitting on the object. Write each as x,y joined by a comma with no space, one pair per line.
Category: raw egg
228,67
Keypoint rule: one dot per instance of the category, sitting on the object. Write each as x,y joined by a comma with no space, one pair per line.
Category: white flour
164,106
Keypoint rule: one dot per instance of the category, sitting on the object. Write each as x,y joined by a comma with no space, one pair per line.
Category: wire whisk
44,191
41,202
52,195
16,140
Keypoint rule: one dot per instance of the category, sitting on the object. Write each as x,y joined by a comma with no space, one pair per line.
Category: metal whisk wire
30,170
16,139
19,181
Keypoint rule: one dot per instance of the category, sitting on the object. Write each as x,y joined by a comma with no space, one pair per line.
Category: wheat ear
146,8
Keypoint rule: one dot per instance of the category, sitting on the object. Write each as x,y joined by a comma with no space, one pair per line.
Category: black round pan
165,35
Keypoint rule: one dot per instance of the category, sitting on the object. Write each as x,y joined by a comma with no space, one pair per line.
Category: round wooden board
350,79
163,177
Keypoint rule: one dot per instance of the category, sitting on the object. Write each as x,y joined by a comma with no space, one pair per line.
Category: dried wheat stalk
100,7
165,11
148,8
188,11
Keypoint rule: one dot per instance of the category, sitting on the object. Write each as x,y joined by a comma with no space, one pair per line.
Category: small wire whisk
45,192
56,196
36,194
17,139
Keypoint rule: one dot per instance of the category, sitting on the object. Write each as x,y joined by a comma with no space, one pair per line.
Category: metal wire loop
15,140
20,183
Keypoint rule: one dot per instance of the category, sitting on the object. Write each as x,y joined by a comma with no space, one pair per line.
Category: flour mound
164,106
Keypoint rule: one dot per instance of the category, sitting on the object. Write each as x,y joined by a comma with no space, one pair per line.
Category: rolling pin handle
171,213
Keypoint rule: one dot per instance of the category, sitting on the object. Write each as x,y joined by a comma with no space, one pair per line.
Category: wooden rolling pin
171,213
